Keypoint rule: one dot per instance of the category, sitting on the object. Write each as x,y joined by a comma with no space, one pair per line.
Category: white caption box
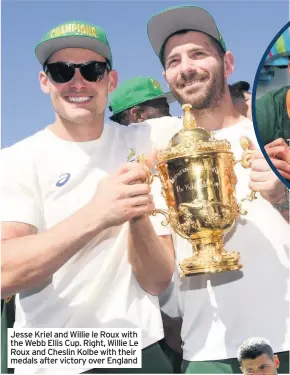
84,347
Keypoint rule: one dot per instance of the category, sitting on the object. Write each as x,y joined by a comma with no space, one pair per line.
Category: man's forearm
152,259
31,260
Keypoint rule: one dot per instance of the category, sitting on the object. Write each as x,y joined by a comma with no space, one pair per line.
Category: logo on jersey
131,155
63,179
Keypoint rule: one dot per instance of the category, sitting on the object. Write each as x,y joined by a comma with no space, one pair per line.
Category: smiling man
221,310
78,248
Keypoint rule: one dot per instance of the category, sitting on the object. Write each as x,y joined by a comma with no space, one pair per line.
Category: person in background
242,98
139,99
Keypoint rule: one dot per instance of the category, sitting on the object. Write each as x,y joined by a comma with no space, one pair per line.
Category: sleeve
266,118
163,129
168,299
18,196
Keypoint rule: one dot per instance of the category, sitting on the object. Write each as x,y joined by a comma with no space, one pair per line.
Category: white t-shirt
222,310
44,180
162,129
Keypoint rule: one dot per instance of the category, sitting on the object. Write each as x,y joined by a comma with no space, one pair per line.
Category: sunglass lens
61,73
93,71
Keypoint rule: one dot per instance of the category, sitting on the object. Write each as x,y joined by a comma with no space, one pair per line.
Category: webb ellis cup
198,184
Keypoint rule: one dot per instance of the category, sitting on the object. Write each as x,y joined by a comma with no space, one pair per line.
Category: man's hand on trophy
124,195
148,163
264,180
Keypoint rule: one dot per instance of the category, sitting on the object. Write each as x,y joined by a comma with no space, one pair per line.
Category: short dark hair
254,348
213,41
238,89
122,118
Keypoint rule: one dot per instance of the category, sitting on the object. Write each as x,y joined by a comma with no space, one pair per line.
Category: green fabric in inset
272,118
154,361
223,366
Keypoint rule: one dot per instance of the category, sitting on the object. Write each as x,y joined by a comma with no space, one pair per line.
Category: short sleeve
18,197
168,299
163,129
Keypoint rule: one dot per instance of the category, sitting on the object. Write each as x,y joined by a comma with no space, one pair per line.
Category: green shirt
7,321
272,118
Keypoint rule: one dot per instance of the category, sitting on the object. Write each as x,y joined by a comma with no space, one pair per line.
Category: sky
247,27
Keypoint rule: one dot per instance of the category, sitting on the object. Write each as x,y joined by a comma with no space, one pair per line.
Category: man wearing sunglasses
78,247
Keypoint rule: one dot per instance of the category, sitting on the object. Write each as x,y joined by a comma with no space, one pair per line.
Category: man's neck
74,132
222,116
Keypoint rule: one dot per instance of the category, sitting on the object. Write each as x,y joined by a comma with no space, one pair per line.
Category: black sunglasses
62,72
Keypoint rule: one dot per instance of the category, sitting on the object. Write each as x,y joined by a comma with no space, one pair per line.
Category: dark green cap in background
74,34
136,91
187,17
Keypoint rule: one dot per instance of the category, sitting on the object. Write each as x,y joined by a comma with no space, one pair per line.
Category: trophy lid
192,140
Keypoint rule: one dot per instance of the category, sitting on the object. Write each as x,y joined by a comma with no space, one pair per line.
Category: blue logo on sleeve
63,179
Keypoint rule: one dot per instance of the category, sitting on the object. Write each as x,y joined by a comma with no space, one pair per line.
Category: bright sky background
247,27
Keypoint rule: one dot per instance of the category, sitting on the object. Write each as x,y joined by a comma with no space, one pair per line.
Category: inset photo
271,104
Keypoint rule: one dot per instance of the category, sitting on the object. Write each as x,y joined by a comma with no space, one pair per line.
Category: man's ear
44,84
276,361
229,64
134,114
113,80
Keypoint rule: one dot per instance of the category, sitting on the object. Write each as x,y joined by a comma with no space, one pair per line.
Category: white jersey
222,310
44,180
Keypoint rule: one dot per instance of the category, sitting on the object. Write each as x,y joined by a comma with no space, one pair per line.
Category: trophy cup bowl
198,183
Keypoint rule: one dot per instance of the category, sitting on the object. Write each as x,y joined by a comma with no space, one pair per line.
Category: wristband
284,205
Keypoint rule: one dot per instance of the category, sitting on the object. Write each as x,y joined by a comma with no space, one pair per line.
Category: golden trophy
198,183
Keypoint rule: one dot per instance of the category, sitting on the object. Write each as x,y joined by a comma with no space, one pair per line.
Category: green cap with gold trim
136,91
74,34
186,17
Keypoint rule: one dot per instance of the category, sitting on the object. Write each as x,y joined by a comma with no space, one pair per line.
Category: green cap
136,91
187,17
73,34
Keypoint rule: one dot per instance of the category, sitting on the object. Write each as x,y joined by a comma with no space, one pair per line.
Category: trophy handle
249,198
149,180
141,159
247,154
163,212
246,163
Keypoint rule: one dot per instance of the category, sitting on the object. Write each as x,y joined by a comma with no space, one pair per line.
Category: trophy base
209,257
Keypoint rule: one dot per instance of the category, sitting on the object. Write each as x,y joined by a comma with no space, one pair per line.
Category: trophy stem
209,256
